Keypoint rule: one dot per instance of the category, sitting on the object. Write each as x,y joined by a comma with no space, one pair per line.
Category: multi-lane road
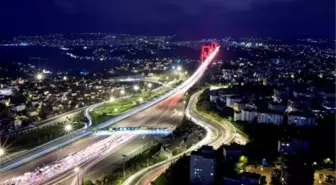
216,136
162,114
219,134
16,160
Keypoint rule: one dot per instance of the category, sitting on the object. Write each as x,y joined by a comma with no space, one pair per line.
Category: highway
109,144
21,158
216,136
161,115
151,112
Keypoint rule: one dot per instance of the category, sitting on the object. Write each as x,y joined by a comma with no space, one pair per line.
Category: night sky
193,18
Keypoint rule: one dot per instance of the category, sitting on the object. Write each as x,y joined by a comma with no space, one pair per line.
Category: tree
87,182
263,180
17,96
98,182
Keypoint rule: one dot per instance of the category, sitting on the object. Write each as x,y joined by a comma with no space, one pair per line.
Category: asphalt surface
163,115
218,136
50,157
44,149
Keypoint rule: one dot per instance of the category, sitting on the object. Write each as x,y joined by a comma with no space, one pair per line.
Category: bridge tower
206,49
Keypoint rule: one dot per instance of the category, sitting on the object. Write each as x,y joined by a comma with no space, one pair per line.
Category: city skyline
192,92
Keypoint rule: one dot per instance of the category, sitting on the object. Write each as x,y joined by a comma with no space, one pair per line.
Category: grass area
30,139
111,109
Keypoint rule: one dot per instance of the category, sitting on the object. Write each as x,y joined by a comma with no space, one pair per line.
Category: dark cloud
66,5
173,16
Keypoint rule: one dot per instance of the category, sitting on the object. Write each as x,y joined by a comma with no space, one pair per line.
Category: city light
179,68
95,150
76,169
39,76
2,152
141,100
122,91
65,78
136,88
98,148
68,127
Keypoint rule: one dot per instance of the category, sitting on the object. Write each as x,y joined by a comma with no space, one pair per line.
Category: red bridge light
207,49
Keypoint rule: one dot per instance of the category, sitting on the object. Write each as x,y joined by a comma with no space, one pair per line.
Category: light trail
49,171
105,146
55,144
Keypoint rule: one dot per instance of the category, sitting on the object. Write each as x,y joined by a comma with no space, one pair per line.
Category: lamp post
39,76
136,88
124,160
2,153
76,172
122,92
67,128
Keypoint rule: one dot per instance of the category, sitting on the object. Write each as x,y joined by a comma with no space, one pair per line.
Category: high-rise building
202,166
292,147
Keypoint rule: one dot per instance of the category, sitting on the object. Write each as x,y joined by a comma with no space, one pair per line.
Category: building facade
202,166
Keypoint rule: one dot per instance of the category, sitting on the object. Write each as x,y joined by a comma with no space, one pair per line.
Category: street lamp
68,127
122,91
141,100
136,88
65,78
39,76
2,153
76,170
